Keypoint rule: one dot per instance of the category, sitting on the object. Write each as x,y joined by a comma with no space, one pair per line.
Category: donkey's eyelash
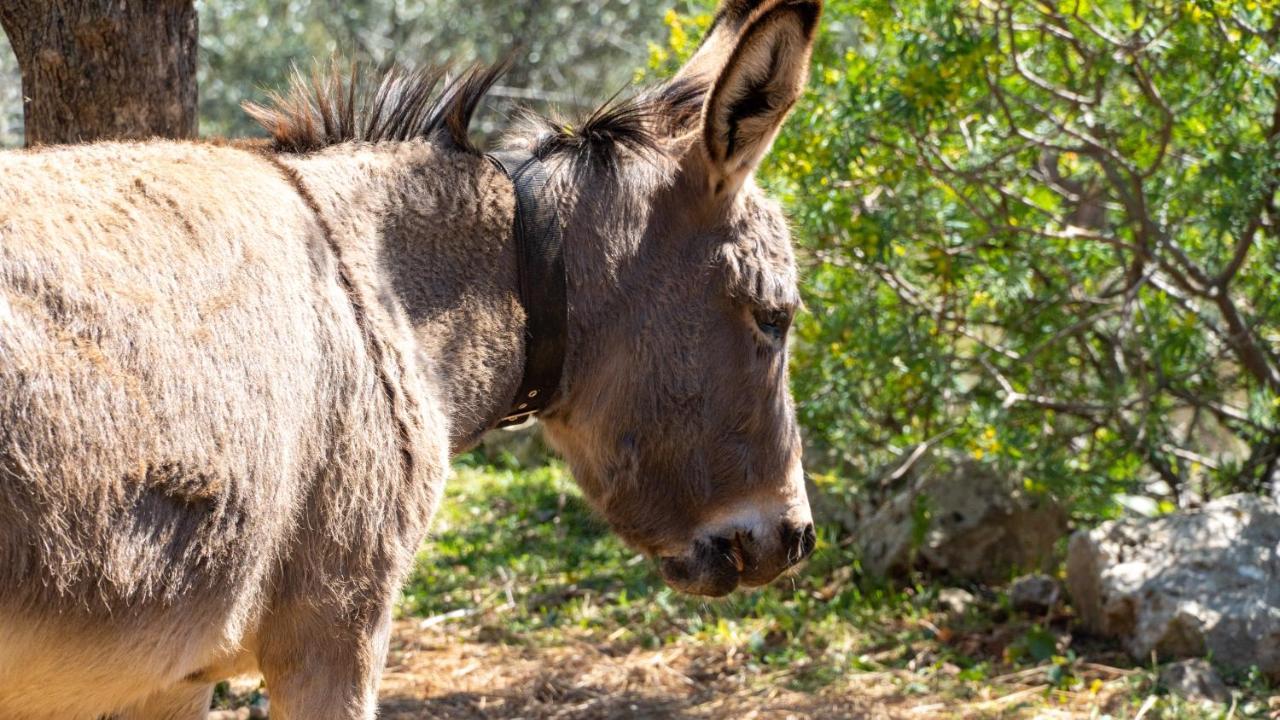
773,322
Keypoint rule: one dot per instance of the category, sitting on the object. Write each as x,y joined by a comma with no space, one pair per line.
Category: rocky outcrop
1035,593
1194,584
1194,679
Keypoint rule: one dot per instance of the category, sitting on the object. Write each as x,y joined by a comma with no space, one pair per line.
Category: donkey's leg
324,665
185,701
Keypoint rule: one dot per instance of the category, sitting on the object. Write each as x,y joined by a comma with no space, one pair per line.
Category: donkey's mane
638,123
331,107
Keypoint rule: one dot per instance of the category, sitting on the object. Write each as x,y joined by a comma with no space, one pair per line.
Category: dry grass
431,674
435,673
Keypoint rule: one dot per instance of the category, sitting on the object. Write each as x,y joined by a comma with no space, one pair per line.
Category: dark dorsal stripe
543,293
387,360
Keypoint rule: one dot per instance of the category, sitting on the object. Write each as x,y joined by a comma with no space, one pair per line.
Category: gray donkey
232,375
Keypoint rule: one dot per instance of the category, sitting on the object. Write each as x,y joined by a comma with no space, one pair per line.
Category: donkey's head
676,416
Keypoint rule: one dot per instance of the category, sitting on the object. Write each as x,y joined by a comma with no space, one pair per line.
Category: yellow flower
679,38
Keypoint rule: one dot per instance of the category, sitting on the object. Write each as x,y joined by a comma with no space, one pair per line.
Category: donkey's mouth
712,568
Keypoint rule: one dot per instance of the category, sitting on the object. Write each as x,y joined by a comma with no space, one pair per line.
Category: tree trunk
104,69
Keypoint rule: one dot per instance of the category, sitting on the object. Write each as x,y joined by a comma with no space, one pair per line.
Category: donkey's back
176,352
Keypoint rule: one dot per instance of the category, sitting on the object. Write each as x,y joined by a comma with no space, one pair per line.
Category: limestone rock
1194,679
955,601
1204,582
1034,593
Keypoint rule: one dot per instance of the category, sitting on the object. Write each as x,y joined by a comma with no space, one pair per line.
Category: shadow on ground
433,675
477,705
486,706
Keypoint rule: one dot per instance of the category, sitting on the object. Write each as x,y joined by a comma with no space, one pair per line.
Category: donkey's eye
773,323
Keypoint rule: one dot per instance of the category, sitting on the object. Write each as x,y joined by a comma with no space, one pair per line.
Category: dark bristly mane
637,123
332,107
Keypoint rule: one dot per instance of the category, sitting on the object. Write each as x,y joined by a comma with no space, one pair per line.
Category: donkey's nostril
799,541
730,549
808,541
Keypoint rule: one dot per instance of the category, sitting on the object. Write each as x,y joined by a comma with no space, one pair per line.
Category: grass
518,560
523,546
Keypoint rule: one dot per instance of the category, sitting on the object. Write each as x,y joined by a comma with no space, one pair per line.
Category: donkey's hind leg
322,665
185,701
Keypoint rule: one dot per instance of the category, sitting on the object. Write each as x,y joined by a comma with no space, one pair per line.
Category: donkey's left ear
762,79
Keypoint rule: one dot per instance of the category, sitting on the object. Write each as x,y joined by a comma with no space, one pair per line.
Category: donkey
232,375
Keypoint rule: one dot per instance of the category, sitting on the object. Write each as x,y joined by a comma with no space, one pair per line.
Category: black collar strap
540,267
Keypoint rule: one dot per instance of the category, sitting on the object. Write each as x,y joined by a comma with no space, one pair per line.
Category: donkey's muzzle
717,565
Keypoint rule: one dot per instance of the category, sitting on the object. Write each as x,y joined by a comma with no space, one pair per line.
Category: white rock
956,601
1194,680
1198,583
1034,593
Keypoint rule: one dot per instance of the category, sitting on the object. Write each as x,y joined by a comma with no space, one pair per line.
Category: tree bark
104,69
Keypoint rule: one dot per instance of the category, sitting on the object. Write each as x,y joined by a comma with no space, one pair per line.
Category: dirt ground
433,674
430,675
443,672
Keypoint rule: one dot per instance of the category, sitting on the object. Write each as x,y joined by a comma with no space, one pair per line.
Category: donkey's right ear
754,91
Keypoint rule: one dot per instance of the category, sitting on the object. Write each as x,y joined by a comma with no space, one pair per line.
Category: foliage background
10,97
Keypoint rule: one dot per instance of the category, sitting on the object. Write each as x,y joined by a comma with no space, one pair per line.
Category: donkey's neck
432,231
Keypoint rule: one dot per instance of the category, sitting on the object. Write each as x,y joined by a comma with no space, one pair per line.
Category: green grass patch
522,549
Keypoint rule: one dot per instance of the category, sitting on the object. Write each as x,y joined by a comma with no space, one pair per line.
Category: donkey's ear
731,17
760,81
